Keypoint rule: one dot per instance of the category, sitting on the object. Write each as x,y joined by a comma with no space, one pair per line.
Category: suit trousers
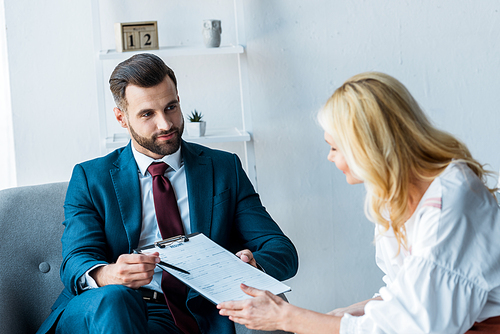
115,309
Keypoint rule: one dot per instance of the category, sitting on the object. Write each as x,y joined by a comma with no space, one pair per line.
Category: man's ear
120,117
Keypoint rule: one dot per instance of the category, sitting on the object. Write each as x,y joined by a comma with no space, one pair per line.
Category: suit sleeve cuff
86,282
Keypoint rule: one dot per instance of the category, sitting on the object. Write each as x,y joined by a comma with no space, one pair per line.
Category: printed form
214,272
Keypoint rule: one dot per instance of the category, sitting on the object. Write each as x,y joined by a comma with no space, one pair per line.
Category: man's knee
108,298
99,307
114,295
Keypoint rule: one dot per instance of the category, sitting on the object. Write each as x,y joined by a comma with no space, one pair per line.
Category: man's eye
172,106
146,114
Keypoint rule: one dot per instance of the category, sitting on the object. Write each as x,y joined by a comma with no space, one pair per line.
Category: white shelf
171,51
211,136
110,140
219,136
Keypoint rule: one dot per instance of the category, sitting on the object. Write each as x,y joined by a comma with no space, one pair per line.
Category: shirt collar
174,160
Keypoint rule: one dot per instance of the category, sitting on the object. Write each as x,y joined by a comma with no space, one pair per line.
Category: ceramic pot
196,129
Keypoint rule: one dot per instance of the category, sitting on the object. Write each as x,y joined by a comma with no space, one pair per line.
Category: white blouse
449,277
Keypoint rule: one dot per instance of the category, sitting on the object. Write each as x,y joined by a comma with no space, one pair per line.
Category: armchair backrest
30,254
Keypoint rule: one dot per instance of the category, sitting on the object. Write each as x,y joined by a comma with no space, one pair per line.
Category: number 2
148,42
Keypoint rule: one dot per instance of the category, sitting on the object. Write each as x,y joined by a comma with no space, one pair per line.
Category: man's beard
165,147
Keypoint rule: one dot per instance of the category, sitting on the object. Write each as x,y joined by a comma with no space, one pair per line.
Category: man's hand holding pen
132,270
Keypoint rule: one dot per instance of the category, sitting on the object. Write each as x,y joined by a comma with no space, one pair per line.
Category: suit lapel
128,194
200,185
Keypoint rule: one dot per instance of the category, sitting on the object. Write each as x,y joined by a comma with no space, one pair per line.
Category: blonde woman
437,223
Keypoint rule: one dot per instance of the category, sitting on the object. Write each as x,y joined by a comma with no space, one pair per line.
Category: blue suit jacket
103,218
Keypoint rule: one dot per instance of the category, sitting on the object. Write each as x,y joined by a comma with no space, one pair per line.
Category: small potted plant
196,127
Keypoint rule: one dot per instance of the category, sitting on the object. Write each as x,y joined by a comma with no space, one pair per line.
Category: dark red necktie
170,225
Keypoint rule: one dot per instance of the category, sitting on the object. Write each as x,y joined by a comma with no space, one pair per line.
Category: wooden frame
136,36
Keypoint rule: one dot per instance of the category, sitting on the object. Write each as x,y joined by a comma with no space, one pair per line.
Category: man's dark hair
143,70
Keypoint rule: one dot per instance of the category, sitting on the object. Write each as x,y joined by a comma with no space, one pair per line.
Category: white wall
53,92
446,52
7,163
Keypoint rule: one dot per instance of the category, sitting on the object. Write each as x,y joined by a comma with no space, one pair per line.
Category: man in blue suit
109,212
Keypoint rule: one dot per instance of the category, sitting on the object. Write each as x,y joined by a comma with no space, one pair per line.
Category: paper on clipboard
215,272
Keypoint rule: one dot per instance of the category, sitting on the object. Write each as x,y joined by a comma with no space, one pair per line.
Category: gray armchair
30,256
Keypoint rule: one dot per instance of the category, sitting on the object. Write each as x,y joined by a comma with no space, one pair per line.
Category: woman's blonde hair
387,142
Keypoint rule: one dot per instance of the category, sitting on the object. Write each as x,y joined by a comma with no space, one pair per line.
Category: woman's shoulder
459,185
456,205
457,192
457,213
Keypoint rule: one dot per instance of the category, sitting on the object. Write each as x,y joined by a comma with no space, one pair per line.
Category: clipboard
213,271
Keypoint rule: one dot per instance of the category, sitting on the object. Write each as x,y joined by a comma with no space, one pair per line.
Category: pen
173,267
166,264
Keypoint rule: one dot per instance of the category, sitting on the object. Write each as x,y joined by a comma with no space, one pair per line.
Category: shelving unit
112,141
224,135
173,51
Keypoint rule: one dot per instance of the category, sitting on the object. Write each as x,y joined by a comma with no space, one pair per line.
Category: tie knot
157,168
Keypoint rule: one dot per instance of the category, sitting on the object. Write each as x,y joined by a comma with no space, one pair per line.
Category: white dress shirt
149,231
449,276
